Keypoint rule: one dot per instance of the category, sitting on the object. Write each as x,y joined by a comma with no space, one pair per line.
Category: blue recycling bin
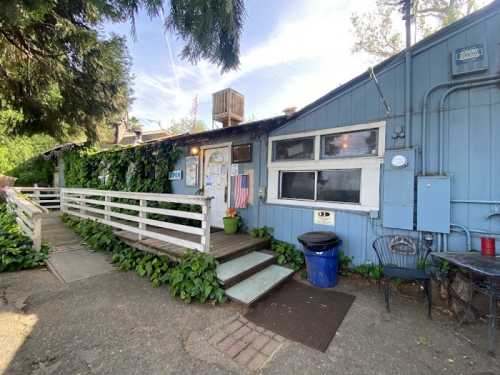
321,250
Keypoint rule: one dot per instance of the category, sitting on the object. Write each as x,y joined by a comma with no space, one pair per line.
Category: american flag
241,191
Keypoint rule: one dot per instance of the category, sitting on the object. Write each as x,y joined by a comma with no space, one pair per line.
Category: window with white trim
331,168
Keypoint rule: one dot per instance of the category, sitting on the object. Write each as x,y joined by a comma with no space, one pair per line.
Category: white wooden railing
101,205
28,215
48,198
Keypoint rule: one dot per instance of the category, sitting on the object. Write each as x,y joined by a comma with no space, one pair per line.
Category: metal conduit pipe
408,59
472,201
467,235
424,110
441,114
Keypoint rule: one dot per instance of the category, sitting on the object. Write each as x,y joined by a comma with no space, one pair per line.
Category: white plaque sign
324,217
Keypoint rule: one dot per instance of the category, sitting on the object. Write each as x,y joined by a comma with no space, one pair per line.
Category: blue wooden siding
472,139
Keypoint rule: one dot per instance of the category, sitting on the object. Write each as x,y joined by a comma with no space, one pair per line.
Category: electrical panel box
399,189
433,204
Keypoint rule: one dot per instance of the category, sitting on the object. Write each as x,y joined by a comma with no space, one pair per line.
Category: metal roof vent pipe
289,111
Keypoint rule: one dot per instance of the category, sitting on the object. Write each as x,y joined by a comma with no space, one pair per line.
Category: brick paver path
247,344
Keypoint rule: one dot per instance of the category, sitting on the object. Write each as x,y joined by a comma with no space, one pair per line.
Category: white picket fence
28,215
100,205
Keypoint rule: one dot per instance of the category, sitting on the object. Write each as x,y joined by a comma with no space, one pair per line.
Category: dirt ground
117,323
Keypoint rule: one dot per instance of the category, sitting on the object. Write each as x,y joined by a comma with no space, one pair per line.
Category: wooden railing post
205,225
37,231
142,214
107,208
36,194
82,203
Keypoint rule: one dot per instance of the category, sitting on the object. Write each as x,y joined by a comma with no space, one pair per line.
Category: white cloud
314,40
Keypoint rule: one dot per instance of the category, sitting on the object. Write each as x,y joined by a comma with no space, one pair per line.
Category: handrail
135,216
28,215
46,197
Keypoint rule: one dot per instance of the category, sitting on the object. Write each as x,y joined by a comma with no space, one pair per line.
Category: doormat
302,313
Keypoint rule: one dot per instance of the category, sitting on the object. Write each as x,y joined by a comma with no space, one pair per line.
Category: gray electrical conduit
441,113
424,110
467,235
457,85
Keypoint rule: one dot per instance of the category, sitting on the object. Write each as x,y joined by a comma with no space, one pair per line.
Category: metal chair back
401,252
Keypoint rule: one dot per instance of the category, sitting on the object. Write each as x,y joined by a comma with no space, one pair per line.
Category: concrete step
239,268
258,285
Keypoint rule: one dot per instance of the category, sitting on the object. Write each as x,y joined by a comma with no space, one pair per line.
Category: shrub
16,251
194,278
345,264
369,271
263,232
288,255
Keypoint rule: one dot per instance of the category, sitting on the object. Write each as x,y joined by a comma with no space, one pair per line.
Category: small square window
294,149
242,153
350,144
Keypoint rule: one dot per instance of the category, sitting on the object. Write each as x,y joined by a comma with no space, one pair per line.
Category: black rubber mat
302,313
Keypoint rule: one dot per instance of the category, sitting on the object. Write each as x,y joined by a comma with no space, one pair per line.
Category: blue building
372,163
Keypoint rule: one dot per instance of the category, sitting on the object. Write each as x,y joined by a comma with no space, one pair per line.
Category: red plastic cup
488,246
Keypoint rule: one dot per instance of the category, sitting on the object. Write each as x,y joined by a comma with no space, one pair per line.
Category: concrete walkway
71,260
116,323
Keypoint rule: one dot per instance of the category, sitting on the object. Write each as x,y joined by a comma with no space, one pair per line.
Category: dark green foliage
61,75
345,264
147,166
194,278
16,252
288,255
211,29
263,232
20,157
369,271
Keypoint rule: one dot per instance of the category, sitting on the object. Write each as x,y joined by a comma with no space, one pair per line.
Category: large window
330,168
294,149
350,144
342,185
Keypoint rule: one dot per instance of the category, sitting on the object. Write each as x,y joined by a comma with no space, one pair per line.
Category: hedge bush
16,249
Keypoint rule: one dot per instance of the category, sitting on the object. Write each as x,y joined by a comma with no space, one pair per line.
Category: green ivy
16,251
263,232
195,278
288,254
147,166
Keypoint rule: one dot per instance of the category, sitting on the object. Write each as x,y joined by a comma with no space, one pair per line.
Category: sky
292,52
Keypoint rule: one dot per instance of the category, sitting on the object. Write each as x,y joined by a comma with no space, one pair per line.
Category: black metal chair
403,258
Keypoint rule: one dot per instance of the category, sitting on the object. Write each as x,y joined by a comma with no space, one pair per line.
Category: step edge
270,256
266,291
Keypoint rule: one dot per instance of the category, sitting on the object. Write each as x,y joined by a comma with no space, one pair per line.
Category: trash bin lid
318,239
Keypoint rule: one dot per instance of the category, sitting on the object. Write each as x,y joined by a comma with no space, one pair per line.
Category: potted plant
231,221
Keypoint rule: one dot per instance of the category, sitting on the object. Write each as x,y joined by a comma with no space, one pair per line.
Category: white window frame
369,165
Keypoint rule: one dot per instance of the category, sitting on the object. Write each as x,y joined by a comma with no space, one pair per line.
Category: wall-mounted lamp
194,151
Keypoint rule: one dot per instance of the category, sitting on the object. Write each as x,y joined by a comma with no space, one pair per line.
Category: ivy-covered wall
141,169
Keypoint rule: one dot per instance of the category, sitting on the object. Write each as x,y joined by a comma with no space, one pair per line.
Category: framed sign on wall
192,171
242,153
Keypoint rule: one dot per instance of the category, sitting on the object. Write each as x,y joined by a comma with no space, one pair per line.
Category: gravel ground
118,324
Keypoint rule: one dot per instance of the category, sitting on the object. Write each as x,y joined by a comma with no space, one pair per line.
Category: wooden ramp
222,246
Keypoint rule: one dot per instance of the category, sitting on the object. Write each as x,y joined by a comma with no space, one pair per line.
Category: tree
187,125
60,76
376,34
